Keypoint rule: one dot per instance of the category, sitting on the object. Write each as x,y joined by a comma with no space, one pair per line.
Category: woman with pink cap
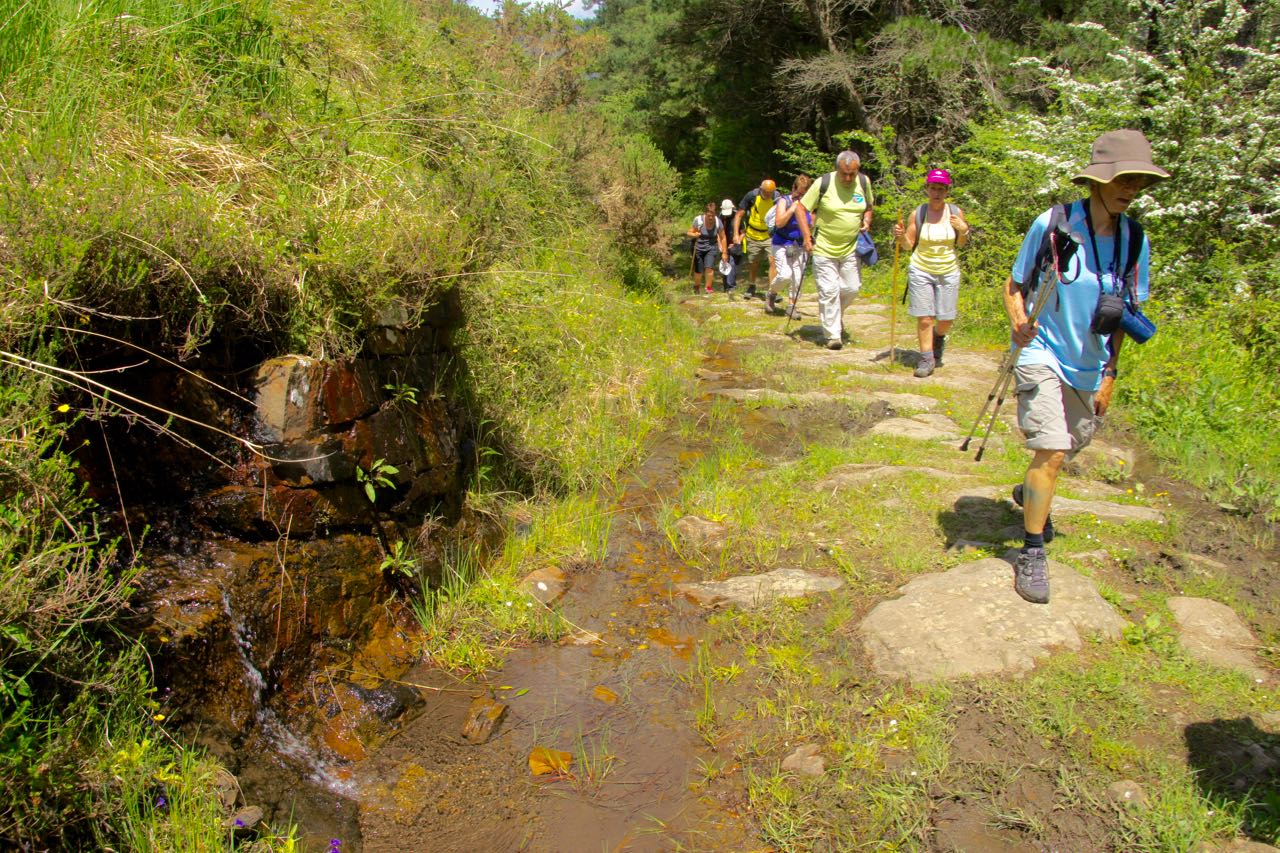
933,236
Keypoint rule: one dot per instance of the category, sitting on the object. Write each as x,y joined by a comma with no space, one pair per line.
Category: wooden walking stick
893,303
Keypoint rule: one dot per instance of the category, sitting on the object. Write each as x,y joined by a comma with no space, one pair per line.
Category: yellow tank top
936,250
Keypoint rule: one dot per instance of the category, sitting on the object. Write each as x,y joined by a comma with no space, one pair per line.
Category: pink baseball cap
938,176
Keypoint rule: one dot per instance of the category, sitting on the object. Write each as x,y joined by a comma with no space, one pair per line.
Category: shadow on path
1238,764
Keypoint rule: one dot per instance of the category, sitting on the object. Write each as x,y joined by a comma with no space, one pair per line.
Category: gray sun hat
1120,152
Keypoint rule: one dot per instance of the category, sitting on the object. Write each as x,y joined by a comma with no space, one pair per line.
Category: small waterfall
283,742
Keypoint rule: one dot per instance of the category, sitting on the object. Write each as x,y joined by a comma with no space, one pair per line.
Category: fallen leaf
544,761
522,691
505,687
604,694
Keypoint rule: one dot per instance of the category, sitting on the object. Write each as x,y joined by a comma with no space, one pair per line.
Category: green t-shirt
839,216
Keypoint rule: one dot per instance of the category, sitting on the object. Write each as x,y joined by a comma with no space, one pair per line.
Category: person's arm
720,239
1024,332
785,212
802,219
737,226
693,229
869,213
961,228
1102,400
906,237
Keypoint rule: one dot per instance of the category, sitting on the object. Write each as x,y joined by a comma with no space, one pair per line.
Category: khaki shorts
1052,414
933,294
757,249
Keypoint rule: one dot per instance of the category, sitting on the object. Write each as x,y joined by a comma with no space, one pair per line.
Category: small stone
806,760
483,718
546,585
1126,793
227,787
969,546
700,532
244,820
708,375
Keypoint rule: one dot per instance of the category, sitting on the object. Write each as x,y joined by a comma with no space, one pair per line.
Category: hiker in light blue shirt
1067,370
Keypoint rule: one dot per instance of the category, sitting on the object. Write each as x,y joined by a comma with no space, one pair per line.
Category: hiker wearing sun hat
1067,367
933,236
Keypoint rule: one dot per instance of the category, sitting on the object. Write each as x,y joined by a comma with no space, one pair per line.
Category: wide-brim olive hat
1120,152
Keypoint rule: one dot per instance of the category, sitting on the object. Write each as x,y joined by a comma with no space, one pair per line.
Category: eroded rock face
969,621
267,609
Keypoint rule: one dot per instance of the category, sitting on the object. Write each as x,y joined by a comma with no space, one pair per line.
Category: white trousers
788,264
839,280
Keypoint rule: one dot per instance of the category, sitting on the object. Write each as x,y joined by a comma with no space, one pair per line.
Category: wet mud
623,707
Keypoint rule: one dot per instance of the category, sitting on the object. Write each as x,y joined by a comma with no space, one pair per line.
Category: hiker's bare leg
1038,486
924,331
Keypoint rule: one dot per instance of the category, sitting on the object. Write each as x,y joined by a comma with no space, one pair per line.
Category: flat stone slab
909,402
757,590
968,621
919,427
860,473
1062,507
784,398
1210,631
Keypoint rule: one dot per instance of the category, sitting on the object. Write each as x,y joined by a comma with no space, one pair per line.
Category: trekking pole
1048,284
893,303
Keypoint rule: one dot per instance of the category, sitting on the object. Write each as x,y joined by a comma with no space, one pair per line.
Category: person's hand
808,244
898,231
1103,398
1025,332
959,226
866,226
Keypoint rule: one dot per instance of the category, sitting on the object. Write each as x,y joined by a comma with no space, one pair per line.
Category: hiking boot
939,344
793,312
834,343
751,292
924,367
771,302
1048,522
709,290
1031,578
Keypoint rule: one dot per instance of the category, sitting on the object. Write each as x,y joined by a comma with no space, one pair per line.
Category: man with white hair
841,204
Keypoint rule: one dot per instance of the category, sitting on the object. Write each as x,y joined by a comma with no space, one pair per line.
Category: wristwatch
1109,372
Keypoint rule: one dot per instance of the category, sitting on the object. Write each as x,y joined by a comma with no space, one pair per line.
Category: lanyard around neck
1115,246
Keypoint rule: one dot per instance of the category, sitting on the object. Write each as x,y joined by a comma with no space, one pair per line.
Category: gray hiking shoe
1031,578
924,367
834,343
1048,522
771,302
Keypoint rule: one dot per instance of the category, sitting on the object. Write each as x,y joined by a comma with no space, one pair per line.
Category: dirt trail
650,772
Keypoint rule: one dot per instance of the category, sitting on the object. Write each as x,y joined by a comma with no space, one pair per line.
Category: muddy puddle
624,707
